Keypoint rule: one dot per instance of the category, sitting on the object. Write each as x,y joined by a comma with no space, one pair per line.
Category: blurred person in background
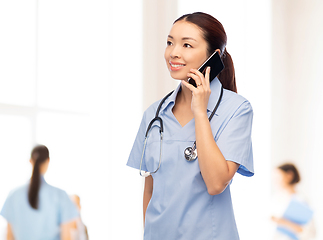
79,231
37,210
291,213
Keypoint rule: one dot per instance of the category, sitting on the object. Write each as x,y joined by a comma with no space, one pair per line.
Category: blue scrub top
55,208
180,207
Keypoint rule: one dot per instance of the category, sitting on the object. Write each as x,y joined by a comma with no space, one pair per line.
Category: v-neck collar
215,93
182,133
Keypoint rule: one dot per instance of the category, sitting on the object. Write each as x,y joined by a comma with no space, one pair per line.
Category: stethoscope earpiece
144,173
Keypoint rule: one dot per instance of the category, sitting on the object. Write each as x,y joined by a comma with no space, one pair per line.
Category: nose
175,53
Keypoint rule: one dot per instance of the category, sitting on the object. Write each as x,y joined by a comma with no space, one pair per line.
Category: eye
186,45
169,43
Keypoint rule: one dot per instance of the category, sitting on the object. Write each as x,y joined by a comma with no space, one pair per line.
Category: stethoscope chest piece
190,154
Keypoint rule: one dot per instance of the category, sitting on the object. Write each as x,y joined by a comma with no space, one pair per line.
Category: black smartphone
216,64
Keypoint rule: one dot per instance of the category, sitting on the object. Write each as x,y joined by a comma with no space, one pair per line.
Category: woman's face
283,179
186,49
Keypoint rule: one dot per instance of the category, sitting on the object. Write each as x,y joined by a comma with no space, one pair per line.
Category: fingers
188,85
201,93
207,77
199,78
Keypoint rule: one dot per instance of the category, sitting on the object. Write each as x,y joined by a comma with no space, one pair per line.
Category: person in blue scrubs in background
37,210
191,200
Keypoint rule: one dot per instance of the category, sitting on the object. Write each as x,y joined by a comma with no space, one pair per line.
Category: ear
31,162
290,176
218,50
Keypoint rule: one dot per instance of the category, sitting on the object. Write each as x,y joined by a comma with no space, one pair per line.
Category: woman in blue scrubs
37,210
183,199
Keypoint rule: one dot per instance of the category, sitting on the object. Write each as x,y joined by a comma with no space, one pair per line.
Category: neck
184,96
290,189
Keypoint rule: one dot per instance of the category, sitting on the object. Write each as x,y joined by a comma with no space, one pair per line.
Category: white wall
297,109
158,17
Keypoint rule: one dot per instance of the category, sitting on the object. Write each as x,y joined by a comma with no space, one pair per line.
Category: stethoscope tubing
192,150
144,173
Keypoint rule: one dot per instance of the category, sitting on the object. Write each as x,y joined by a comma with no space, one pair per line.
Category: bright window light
17,52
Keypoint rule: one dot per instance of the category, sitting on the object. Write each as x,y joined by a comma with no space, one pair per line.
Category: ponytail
34,186
39,155
227,76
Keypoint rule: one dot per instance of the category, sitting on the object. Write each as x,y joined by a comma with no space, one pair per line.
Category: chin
178,77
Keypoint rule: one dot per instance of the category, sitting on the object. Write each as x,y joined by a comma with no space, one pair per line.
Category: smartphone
216,64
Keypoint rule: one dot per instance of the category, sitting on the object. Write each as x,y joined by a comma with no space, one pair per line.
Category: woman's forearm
148,191
215,170
9,233
146,200
66,230
288,224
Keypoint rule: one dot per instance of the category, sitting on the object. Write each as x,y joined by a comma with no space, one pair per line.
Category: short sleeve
235,139
136,151
68,210
7,209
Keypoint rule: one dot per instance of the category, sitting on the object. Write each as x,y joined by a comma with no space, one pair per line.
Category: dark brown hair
39,155
291,168
215,36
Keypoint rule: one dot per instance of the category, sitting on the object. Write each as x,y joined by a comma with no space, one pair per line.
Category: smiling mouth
176,65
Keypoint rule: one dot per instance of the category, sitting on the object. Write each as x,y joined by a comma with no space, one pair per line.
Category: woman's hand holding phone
199,83
200,93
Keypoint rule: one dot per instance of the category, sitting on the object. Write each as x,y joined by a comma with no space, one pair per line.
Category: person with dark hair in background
287,178
37,210
190,145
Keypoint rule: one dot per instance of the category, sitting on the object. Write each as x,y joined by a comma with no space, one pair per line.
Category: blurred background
76,75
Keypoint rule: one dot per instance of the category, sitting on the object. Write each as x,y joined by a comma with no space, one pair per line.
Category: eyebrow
184,38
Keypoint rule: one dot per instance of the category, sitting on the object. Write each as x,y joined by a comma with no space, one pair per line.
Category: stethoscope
190,153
